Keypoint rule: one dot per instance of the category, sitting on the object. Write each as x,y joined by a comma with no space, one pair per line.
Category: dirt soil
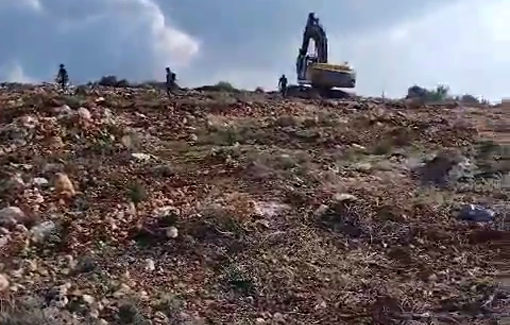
121,206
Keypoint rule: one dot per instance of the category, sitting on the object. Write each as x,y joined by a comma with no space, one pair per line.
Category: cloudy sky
391,43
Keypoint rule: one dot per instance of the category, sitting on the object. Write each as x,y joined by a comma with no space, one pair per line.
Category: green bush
223,86
112,81
440,93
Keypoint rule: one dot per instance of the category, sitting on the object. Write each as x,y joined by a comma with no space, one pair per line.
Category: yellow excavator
314,73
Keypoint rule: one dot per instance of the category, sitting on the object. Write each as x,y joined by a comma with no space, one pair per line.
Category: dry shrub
348,217
383,147
30,311
239,279
328,119
228,216
222,86
437,170
287,121
279,166
225,136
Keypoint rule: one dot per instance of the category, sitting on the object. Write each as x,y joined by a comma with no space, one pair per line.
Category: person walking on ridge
62,77
170,81
282,85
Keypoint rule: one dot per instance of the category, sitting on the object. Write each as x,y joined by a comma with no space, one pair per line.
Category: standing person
62,77
282,84
170,81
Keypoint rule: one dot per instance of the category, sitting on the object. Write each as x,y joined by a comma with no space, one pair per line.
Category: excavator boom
315,70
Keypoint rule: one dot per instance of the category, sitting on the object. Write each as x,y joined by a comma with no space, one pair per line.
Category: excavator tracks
317,93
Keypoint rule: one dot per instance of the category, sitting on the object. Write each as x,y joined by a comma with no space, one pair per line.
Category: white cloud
243,78
130,38
464,45
14,73
171,45
34,5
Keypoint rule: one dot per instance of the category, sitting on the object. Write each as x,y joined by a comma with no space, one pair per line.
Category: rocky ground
125,207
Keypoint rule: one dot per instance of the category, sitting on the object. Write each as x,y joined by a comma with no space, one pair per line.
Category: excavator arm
314,31
314,69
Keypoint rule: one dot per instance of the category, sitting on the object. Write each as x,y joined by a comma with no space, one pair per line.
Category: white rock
65,109
28,121
344,197
363,167
127,141
321,305
172,232
278,317
11,216
4,282
40,181
165,211
14,288
64,288
141,156
357,146
123,290
88,299
84,114
21,228
193,137
143,295
43,230
149,265
4,240
321,210
269,209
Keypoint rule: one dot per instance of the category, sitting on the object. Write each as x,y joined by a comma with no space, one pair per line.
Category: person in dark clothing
282,84
62,77
170,81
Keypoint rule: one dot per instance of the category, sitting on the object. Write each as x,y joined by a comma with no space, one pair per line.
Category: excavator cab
304,72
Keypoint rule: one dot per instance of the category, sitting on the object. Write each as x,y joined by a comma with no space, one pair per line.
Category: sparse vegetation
440,94
233,207
112,81
222,86
137,193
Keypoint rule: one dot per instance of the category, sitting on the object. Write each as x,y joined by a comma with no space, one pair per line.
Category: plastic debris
476,213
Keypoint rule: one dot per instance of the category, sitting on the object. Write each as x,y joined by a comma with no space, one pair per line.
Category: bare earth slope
214,208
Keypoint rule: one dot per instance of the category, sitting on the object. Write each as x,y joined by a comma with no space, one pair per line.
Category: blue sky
391,43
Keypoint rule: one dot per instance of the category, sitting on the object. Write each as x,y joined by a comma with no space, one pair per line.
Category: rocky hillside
125,207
